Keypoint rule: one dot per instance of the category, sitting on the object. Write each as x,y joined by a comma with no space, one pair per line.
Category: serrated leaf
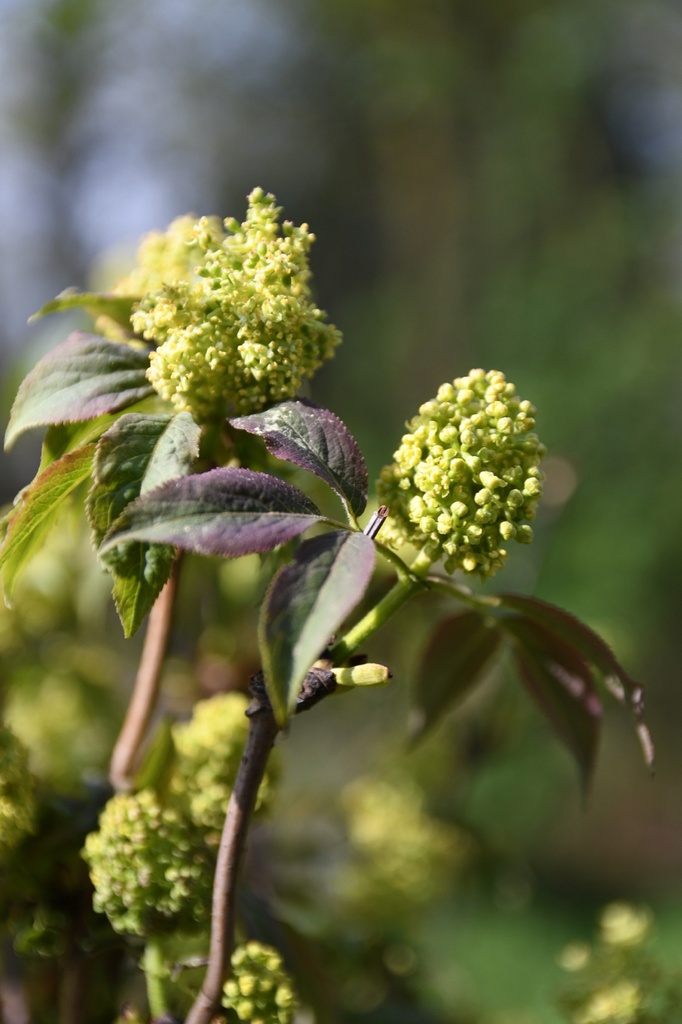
595,650
81,379
228,511
38,508
137,454
315,439
306,602
139,572
61,438
455,658
117,307
559,679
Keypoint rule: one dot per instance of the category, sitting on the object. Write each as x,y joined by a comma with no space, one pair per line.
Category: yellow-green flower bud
362,675
17,793
240,330
209,748
622,924
466,477
150,867
260,990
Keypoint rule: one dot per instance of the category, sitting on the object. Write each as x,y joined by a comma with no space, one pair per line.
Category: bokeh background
493,184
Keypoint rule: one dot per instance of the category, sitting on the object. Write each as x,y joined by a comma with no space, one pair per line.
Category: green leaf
155,770
139,572
595,650
305,603
37,510
81,379
559,679
117,307
456,656
137,454
61,438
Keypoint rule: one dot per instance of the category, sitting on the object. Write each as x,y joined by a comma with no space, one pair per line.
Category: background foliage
491,184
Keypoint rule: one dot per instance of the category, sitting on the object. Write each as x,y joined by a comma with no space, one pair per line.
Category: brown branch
262,733
146,689
13,1002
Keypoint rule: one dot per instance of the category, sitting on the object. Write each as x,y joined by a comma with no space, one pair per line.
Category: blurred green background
493,184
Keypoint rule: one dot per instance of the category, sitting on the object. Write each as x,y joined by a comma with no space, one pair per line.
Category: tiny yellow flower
229,308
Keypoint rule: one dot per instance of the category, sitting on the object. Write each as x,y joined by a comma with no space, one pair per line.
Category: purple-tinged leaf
314,439
37,510
456,656
117,307
136,455
595,650
306,602
81,379
228,512
559,679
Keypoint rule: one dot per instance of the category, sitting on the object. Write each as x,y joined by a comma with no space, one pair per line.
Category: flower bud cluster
402,856
17,793
240,331
150,867
152,860
260,990
619,979
465,479
209,749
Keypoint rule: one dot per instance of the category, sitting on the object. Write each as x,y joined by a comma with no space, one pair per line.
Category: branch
146,689
13,1003
262,733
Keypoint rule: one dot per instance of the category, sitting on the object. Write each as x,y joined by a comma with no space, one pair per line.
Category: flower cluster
17,796
465,478
402,857
260,990
152,861
150,867
209,749
239,331
617,979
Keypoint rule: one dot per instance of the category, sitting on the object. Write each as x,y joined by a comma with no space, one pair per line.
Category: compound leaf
595,650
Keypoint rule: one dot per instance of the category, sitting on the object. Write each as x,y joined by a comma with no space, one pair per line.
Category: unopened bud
362,675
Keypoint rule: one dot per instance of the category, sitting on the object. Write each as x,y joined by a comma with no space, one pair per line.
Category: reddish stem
146,689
